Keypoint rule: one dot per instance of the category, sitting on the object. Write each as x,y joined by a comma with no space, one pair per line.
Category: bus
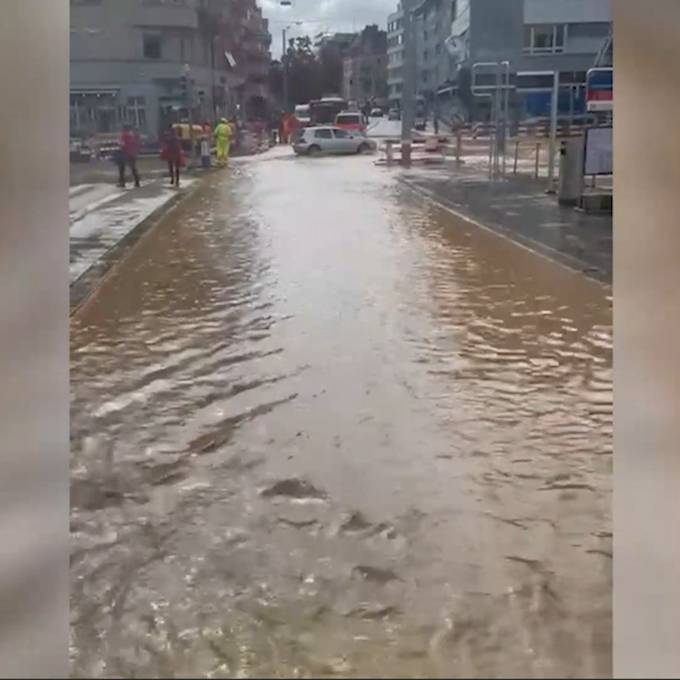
323,111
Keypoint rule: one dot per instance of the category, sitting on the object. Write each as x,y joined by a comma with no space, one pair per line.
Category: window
426,55
323,134
341,134
545,38
136,112
152,46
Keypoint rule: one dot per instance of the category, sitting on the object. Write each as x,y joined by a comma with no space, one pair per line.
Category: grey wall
496,30
567,11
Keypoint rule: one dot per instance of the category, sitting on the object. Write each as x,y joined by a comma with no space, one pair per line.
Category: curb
88,283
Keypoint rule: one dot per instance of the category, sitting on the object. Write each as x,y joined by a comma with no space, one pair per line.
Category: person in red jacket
129,148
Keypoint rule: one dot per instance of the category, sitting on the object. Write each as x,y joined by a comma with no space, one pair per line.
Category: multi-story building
533,35
395,55
365,67
151,62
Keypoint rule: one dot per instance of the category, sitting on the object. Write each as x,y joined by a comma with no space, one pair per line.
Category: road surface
322,427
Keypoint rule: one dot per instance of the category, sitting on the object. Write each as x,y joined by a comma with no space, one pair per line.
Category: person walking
223,134
127,155
171,151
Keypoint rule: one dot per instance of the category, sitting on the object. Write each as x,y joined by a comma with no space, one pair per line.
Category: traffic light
184,87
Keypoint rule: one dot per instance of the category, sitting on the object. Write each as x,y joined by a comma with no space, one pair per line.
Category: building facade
395,56
533,35
364,69
151,62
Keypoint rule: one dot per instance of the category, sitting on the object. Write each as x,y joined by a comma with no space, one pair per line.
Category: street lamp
284,61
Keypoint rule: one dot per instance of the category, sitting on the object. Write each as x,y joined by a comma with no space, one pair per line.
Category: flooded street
322,427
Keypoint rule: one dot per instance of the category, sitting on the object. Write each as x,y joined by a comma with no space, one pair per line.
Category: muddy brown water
321,427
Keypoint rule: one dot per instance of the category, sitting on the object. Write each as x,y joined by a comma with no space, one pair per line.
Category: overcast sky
324,15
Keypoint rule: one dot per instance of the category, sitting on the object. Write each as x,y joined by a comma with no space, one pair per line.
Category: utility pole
284,64
554,103
190,107
409,85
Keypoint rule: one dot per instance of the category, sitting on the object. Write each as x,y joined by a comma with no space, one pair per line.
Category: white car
313,141
376,113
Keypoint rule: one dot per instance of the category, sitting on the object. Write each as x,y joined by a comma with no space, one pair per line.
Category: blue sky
322,15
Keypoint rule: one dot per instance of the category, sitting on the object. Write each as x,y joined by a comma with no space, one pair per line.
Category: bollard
538,149
389,154
459,143
406,154
514,165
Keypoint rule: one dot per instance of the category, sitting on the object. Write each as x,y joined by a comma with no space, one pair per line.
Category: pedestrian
172,152
223,135
127,155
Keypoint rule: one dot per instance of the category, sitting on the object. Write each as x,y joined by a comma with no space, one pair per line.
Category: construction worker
223,134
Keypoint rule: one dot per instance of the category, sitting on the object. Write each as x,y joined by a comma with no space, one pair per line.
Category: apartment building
151,62
365,67
395,56
533,35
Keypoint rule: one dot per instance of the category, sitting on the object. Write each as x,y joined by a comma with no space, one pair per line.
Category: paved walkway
520,209
101,215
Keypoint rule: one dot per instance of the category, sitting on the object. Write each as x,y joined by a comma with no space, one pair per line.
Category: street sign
600,89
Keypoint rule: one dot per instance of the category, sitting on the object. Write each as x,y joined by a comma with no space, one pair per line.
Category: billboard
600,89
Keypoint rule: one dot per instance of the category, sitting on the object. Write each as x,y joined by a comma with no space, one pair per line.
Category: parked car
350,121
313,141
394,114
376,113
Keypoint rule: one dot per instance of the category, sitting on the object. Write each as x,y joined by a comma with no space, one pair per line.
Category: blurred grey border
34,392
647,339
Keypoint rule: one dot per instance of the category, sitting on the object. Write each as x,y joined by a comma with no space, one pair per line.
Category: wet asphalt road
322,427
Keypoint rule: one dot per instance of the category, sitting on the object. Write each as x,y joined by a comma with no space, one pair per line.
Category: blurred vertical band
34,338
647,339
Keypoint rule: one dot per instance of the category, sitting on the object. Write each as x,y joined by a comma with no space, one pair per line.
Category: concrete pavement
519,208
102,216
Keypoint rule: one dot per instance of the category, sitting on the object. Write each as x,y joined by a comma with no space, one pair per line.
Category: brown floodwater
321,427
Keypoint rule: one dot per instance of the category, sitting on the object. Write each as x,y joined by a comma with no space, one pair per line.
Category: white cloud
324,15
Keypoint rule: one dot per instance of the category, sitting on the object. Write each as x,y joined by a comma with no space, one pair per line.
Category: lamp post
408,86
284,61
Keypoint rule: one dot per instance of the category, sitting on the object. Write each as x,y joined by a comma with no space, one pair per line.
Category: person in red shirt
129,148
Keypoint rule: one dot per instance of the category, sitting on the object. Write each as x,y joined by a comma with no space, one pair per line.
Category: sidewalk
103,216
519,209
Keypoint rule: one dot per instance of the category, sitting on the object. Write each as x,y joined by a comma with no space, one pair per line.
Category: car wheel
314,150
364,148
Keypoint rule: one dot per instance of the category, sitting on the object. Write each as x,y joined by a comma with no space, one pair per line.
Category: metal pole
408,87
459,142
497,122
514,165
506,92
553,132
538,151
284,63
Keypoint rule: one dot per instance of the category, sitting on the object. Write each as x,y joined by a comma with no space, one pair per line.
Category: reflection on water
323,428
